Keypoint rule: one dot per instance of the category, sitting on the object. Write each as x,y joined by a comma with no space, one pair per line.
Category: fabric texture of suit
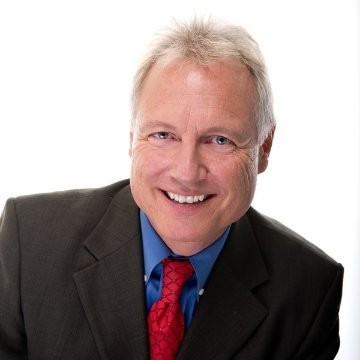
72,286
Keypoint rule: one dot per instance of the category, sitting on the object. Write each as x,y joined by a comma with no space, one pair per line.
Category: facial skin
194,149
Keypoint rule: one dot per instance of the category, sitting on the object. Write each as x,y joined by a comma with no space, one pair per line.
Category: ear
264,151
131,143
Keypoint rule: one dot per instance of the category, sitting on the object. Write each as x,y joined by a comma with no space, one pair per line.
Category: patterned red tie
165,319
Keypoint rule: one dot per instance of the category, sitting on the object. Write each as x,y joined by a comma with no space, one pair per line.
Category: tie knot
175,274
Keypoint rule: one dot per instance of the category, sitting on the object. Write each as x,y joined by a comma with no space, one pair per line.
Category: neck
190,248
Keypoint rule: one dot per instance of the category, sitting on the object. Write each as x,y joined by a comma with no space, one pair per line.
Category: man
91,274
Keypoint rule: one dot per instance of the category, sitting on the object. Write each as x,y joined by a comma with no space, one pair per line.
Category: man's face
194,150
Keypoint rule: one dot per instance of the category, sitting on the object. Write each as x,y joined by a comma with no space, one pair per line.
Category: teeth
185,199
190,199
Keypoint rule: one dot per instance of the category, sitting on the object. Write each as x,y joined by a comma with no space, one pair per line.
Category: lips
186,198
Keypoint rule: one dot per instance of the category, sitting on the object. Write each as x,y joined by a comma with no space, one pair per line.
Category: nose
188,167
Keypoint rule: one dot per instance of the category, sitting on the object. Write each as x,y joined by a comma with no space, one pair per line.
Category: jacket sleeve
12,332
322,341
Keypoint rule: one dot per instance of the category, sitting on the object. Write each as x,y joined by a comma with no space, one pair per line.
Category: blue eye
162,135
220,140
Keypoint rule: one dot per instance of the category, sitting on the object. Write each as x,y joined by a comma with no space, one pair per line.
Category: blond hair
205,42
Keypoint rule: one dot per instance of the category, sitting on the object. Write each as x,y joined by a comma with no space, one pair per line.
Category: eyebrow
221,129
239,134
149,125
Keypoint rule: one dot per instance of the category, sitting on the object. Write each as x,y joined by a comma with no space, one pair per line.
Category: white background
65,75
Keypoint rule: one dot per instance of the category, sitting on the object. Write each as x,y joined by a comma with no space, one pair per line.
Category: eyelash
162,135
214,139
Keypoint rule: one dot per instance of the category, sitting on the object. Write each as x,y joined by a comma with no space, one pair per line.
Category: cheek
244,177
146,162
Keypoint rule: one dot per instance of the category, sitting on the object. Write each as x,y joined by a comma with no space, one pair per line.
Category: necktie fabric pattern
165,319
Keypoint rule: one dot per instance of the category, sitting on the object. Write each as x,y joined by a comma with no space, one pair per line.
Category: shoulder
74,195
71,200
289,255
272,234
65,211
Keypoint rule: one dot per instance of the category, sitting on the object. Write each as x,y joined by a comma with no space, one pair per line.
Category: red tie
165,319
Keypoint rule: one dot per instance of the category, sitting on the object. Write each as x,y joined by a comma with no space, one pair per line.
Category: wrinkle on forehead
192,92
203,81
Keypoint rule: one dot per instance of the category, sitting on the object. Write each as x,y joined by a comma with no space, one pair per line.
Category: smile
186,199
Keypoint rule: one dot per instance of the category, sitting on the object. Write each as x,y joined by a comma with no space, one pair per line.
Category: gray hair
205,42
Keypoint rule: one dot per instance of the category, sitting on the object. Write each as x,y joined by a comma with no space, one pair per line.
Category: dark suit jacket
71,286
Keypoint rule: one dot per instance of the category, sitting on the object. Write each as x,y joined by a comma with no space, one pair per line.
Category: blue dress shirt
155,250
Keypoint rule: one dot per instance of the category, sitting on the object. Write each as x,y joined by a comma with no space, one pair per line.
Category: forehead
227,76
181,91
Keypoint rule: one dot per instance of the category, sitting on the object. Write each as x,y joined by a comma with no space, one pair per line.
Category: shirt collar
155,250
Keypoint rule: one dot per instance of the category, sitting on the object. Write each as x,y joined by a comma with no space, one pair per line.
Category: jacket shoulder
75,194
303,292
70,213
278,241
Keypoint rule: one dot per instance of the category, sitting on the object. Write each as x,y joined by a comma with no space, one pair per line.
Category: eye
161,136
220,140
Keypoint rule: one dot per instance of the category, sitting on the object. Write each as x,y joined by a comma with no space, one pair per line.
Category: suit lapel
228,313
111,290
